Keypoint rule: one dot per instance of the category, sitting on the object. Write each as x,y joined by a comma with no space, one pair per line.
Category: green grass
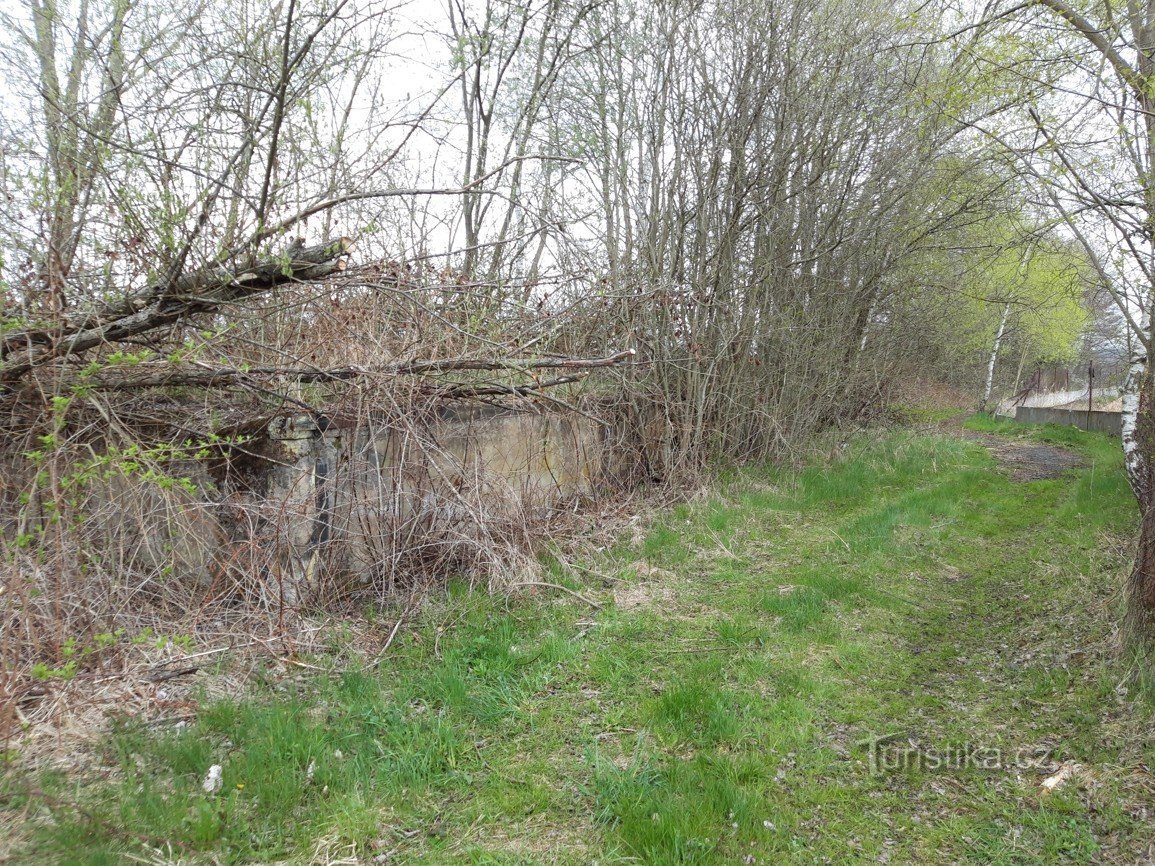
907,587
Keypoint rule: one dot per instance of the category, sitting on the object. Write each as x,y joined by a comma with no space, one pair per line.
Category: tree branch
204,290
163,374
330,203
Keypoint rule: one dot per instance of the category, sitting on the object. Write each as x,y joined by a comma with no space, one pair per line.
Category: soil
1031,461
1027,461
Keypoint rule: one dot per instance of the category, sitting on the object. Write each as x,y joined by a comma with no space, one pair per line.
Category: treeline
222,212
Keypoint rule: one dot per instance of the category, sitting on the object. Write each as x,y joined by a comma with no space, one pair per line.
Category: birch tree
1086,141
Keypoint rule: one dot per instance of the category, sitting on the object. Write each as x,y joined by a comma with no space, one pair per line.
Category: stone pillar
300,492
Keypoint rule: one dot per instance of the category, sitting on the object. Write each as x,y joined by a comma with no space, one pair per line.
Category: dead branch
204,290
164,374
460,392
453,364
536,583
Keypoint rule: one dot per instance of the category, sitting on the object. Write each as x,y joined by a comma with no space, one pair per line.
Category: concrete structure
1049,399
371,500
1102,422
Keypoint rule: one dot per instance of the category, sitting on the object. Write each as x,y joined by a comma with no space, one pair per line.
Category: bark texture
1139,450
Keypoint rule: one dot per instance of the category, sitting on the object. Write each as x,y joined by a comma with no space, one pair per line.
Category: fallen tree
205,290
166,374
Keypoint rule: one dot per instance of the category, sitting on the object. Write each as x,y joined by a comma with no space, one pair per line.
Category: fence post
1090,390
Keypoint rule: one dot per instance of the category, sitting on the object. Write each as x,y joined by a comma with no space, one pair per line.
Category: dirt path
1026,461
1029,461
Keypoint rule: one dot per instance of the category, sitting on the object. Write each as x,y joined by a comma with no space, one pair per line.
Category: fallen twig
172,675
558,586
389,640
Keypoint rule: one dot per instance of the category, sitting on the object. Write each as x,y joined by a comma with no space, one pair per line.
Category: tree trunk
1139,456
1140,619
990,386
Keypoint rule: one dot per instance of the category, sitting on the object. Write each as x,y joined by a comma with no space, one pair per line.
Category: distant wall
1055,398
1102,422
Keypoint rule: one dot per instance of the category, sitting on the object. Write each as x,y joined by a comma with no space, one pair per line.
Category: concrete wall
1103,422
1055,398
369,499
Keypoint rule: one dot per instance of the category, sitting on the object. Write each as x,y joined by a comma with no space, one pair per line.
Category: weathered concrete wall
368,497
512,454
1103,422
1056,398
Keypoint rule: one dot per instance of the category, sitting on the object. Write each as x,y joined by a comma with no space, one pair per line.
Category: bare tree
753,203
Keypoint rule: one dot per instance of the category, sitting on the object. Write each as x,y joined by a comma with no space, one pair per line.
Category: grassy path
716,710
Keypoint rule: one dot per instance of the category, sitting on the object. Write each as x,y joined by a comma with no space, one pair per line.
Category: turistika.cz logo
890,754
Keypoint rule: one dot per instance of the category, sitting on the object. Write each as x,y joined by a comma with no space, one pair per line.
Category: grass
907,589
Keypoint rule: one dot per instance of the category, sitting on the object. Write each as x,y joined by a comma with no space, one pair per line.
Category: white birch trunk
1137,470
995,357
866,329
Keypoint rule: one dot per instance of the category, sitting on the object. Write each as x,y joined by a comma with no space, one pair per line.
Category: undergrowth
905,589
